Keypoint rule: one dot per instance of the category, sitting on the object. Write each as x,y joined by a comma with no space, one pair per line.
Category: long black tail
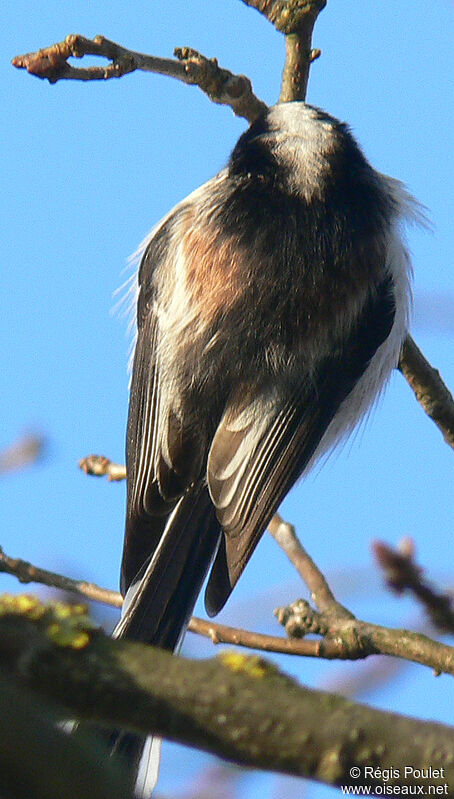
158,607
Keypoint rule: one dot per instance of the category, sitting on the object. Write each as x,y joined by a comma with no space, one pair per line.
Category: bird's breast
215,274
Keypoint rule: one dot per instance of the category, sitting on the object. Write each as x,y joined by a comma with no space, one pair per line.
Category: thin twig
287,15
299,57
23,452
296,20
28,573
429,389
344,638
402,573
191,67
223,634
284,534
100,466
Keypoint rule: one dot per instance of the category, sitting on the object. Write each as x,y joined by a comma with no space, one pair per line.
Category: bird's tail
158,606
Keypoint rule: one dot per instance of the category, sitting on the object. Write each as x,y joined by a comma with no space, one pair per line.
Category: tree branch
403,574
299,57
28,573
429,389
100,466
287,15
238,707
217,633
356,639
191,67
36,760
296,19
343,636
284,534
24,451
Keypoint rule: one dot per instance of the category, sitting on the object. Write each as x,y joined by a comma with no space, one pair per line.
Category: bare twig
429,389
26,450
403,574
100,466
360,639
296,19
299,57
217,633
284,534
345,638
287,15
27,573
191,67
223,634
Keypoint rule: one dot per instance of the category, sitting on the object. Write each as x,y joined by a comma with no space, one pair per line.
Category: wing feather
279,442
163,455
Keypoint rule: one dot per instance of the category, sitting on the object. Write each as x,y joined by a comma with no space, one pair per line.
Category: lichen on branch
235,706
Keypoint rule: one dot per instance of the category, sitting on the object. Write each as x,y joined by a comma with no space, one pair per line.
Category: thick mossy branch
239,707
36,760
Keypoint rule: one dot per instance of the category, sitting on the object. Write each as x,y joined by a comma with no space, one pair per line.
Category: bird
270,309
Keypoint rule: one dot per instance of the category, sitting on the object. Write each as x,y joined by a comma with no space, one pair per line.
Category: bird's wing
163,456
262,446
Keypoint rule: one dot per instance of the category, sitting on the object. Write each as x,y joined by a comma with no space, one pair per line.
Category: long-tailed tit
271,308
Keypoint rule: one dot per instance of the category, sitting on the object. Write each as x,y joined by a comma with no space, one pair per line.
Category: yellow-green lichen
253,665
64,624
22,605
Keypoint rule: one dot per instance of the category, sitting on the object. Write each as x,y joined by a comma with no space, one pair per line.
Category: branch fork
190,66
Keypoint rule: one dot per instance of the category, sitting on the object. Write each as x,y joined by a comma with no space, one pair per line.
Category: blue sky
87,169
